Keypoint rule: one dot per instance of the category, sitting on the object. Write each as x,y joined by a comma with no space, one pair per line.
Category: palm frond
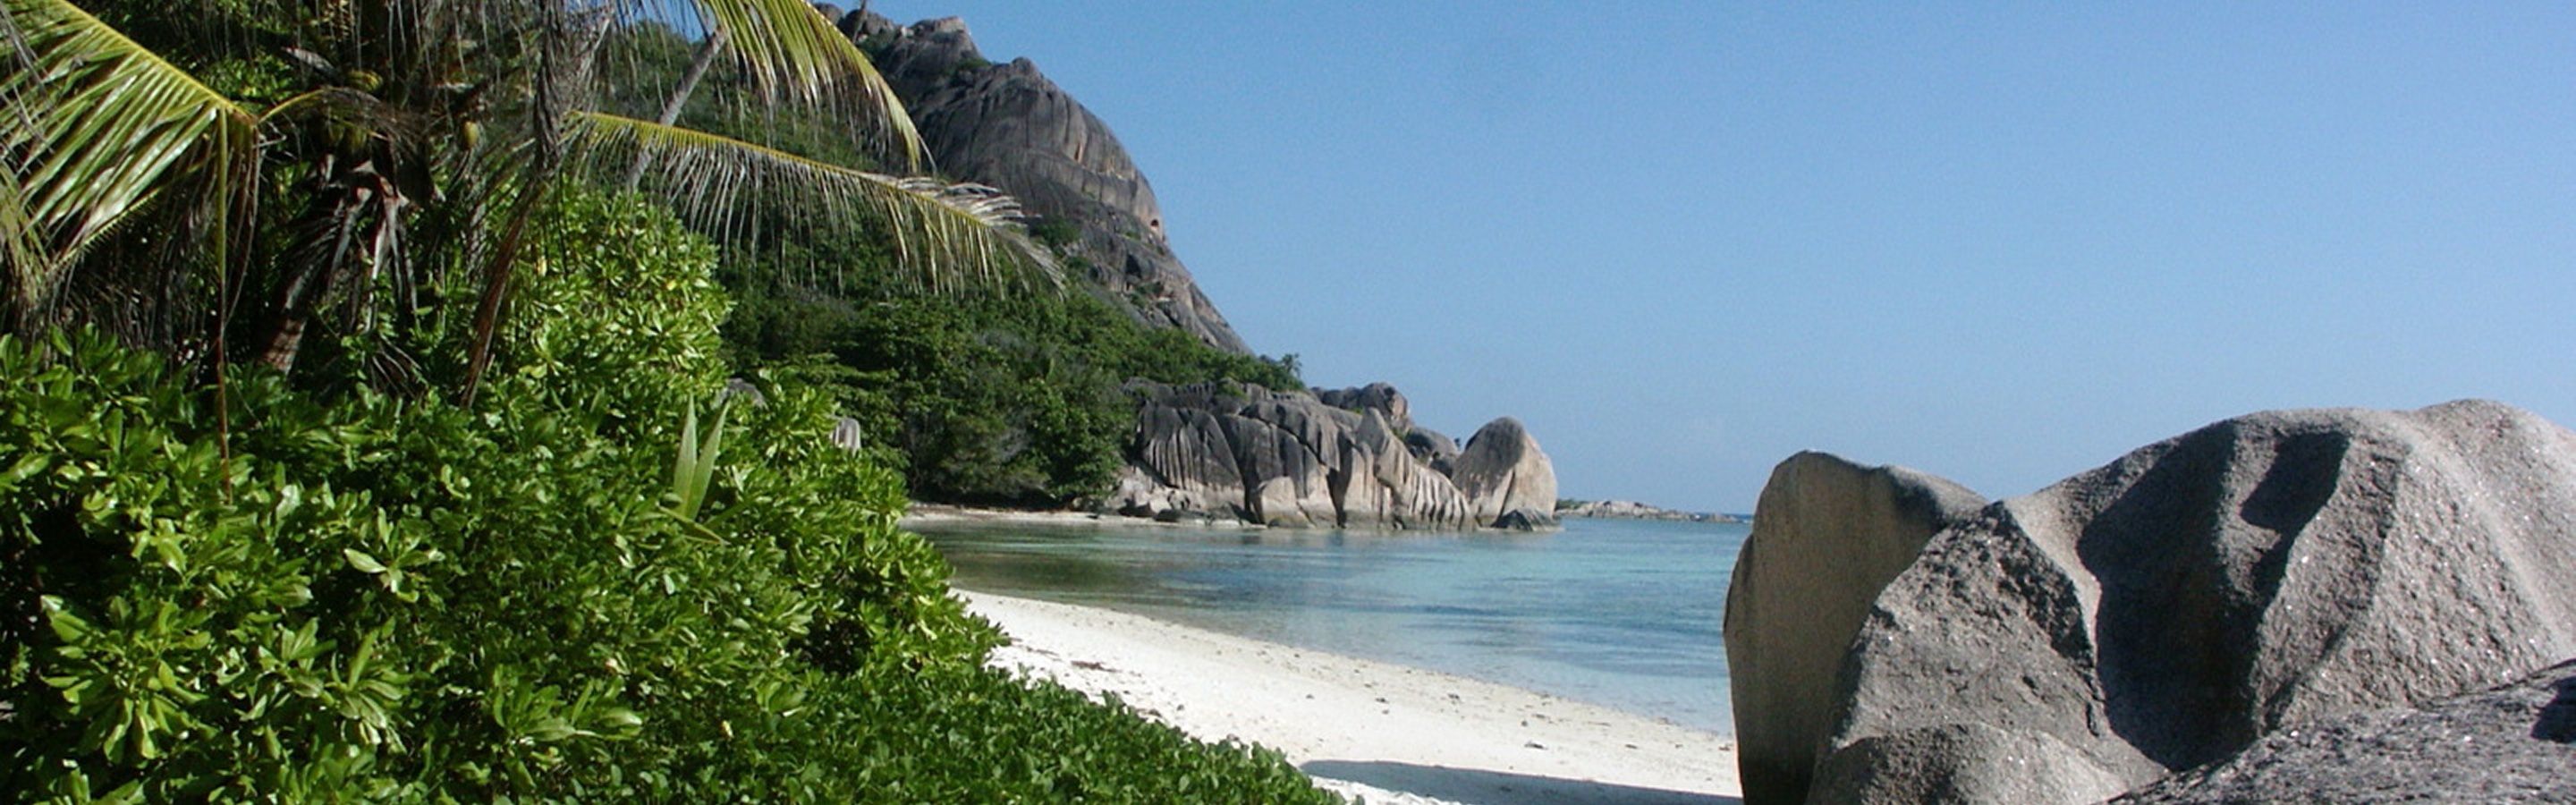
94,127
19,246
794,54
946,233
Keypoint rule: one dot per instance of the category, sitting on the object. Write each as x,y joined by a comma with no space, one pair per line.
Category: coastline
1385,732
939,514
934,514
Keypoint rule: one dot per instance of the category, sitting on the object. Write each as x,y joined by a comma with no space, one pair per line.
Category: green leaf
360,560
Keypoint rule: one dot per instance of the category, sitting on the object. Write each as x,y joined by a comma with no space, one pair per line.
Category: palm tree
267,167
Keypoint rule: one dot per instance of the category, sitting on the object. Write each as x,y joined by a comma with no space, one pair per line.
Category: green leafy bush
371,598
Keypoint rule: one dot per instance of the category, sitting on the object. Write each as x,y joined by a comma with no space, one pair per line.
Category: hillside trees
996,400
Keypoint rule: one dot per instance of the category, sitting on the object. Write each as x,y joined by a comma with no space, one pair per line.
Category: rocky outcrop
2176,606
1827,536
1634,510
1289,459
1503,473
1379,397
1432,448
1380,485
1008,126
2516,743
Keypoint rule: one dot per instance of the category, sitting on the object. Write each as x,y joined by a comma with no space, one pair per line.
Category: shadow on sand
1501,788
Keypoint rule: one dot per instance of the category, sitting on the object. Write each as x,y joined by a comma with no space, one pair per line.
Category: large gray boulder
1379,397
1189,449
2172,608
1383,486
1828,534
1288,459
2516,743
1009,126
1503,473
1433,448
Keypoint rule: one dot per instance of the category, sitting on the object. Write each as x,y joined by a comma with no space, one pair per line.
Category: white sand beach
1384,733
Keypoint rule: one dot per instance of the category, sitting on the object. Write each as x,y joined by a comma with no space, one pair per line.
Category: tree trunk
688,86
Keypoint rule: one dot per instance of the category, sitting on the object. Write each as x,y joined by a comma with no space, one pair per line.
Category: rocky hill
1007,126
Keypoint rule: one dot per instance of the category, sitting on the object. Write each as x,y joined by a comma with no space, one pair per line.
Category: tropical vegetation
367,432
1012,399
269,171
1001,400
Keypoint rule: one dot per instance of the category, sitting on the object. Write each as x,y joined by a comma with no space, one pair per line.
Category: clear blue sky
2000,242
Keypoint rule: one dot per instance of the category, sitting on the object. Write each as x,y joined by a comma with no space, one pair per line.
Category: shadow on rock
1501,788
2557,721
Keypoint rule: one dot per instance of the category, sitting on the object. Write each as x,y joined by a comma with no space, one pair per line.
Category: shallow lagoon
1620,613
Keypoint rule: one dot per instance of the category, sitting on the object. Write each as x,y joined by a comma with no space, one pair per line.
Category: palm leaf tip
947,232
792,52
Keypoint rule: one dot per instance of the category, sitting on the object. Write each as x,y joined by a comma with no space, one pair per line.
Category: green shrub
1055,233
371,598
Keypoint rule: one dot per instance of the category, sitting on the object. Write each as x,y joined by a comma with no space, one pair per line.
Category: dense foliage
370,597
1013,401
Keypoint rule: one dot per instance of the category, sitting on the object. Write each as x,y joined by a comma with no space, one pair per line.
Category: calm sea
1620,613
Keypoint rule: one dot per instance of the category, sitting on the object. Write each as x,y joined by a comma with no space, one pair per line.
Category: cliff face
1007,126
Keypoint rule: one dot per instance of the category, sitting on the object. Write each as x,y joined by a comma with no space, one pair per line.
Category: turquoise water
1620,613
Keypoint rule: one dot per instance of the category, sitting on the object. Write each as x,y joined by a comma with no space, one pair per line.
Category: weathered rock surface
1288,459
1503,472
1382,486
1008,126
2516,743
1961,763
1379,397
2172,608
1433,448
1827,536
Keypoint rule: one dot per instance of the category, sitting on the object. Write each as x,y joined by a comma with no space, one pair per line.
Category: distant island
1633,510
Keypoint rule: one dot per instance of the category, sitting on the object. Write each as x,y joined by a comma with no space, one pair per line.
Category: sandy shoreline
1384,732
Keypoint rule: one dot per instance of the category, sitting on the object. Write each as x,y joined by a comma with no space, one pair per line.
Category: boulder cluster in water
1350,458
2320,605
